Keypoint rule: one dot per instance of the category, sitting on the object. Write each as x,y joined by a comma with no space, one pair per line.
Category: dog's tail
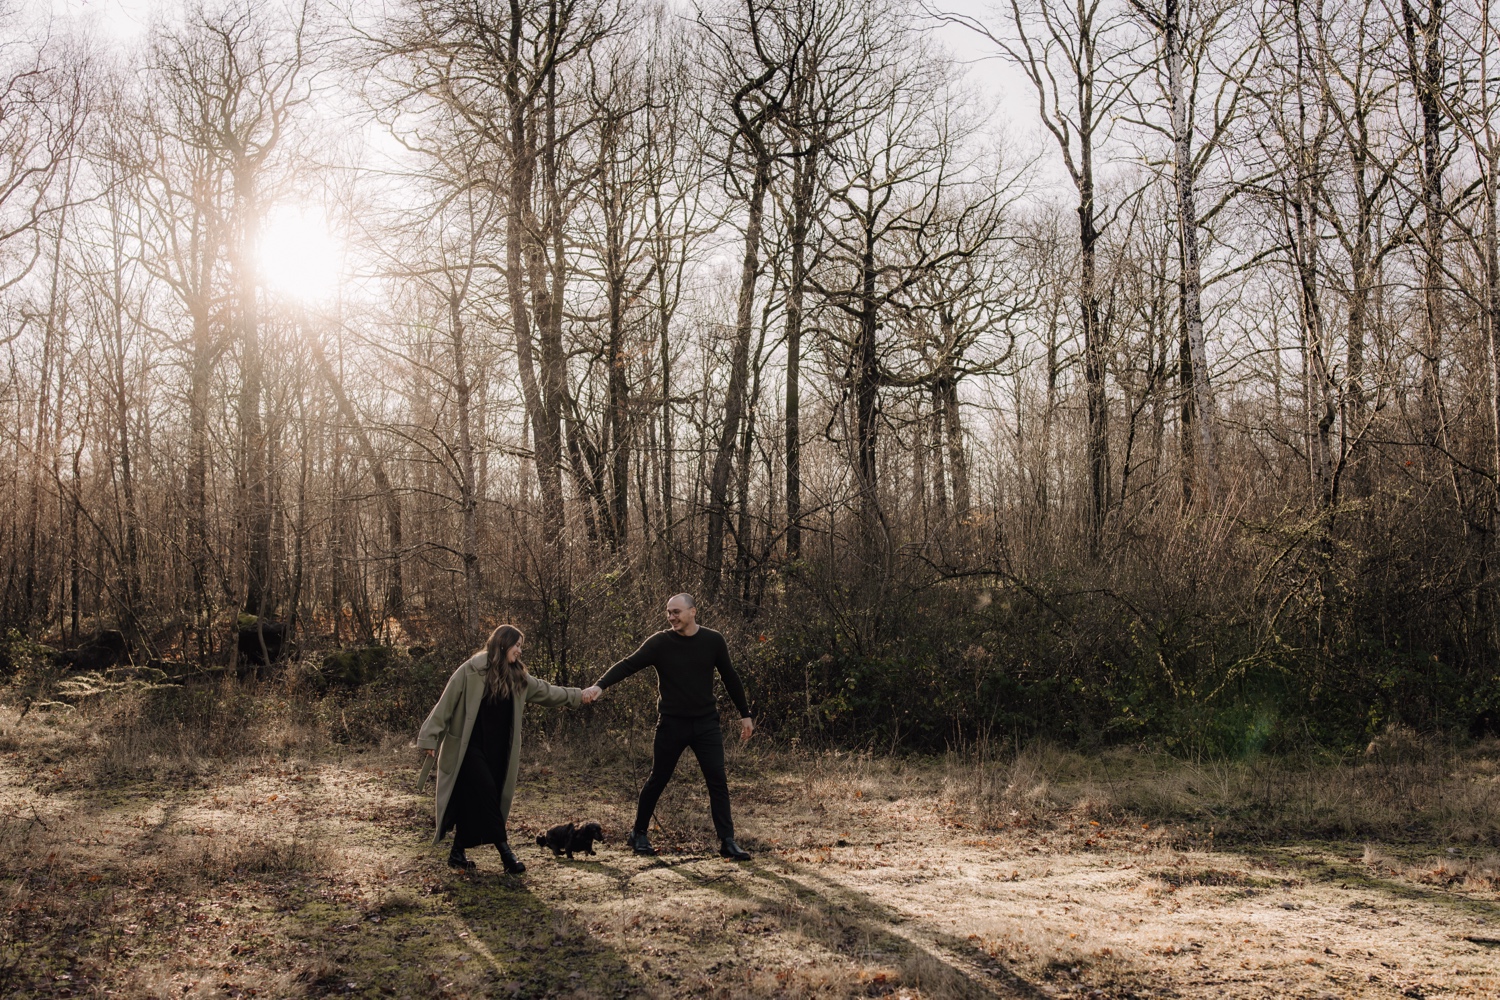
541,840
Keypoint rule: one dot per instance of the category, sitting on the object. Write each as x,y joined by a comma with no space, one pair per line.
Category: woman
474,732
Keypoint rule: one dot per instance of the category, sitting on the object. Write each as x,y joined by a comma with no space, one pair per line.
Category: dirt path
312,878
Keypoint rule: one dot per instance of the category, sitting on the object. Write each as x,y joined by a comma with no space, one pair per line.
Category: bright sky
300,259
125,19
117,18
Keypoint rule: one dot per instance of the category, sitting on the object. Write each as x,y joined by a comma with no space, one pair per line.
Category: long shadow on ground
482,935
852,925
533,949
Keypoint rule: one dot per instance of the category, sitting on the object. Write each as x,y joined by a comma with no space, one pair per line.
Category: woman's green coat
451,722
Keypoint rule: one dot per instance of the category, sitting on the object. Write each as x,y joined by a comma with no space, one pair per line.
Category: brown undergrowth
225,843
1400,787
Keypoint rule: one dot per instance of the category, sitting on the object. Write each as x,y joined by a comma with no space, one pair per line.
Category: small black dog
565,838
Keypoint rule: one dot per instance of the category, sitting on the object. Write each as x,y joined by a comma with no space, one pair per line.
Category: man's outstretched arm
643,657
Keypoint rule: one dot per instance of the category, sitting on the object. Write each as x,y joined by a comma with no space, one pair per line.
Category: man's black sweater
684,671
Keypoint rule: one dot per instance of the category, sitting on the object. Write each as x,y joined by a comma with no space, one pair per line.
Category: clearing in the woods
130,866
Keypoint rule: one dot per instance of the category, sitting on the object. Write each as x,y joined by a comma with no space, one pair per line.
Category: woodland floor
293,875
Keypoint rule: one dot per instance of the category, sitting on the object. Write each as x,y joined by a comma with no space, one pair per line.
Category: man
685,657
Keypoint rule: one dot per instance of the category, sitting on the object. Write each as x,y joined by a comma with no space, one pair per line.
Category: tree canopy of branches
1163,403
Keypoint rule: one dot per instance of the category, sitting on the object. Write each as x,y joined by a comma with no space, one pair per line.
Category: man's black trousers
674,734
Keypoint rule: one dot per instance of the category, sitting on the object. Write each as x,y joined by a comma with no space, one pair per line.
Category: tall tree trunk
1049,419
299,537
958,461
75,559
468,501
930,433
742,531
549,263
395,592
1492,297
618,402
53,355
256,508
202,364
1190,281
1094,346
865,369
1425,64
804,176
1319,400
520,259
1362,270
739,376
667,416
1188,436
130,548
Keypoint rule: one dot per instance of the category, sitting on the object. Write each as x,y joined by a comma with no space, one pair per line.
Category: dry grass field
232,853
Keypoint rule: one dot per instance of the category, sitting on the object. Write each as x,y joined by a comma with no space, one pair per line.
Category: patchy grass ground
129,867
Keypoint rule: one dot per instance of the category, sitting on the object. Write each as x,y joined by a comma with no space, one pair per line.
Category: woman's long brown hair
503,679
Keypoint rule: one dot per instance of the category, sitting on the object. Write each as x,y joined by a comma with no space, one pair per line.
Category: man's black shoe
638,843
729,849
456,859
513,865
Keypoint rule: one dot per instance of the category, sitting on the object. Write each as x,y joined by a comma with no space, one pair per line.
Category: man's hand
430,753
747,728
591,694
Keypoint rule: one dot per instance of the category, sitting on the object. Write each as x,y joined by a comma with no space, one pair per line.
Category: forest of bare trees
1139,380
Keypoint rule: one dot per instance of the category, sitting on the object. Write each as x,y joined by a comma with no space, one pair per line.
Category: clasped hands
592,694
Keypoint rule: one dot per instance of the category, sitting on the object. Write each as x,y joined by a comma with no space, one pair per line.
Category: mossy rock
353,667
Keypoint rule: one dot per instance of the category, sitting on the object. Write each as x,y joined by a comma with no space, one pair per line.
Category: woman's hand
747,728
430,753
591,694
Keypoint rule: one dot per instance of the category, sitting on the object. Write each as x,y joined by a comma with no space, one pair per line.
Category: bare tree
754,81
44,105
840,46
1427,75
498,71
1192,33
1077,56
236,84
905,206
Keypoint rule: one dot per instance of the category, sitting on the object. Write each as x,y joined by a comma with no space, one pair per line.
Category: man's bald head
682,614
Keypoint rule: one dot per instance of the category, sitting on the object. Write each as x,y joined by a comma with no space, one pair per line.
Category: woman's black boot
513,865
456,858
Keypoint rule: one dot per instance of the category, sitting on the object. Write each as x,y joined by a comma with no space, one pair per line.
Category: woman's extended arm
539,692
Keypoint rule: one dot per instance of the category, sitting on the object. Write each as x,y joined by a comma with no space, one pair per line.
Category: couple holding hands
474,731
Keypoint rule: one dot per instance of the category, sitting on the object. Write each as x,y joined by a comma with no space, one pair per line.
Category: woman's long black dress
474,807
